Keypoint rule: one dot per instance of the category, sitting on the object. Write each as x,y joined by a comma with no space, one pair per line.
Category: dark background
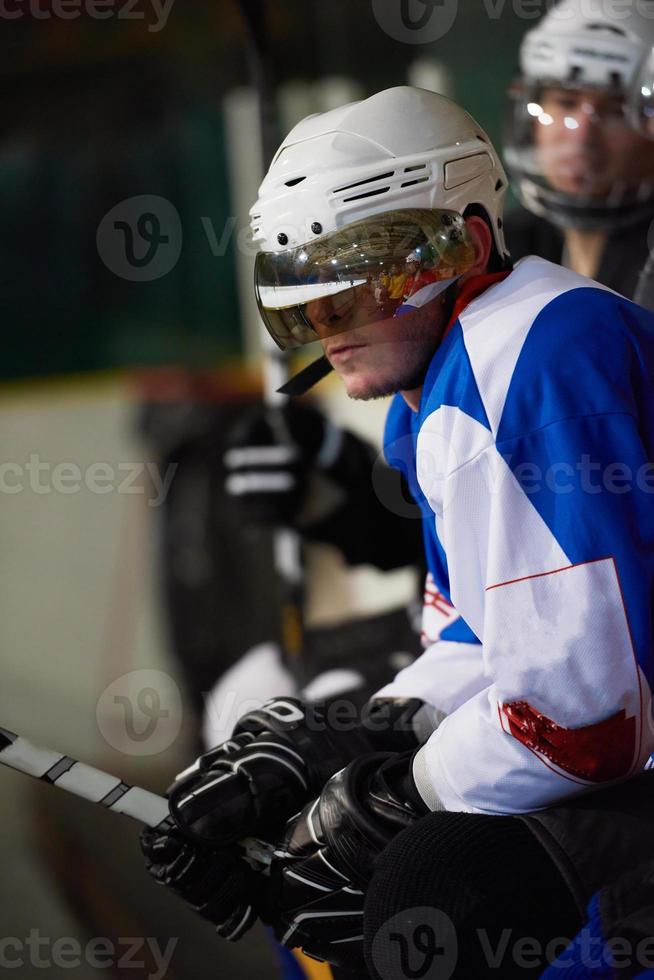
96,111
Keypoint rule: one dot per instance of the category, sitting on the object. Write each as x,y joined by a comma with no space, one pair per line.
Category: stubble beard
424,333
407,376
382,389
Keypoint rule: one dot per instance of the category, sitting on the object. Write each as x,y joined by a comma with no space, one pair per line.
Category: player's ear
483,242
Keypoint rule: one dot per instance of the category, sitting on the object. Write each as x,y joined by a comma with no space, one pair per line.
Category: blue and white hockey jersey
532,459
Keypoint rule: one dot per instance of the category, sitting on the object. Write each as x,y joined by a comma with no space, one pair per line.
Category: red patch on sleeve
597,753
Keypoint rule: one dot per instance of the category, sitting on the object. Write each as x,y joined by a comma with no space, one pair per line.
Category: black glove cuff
363,807
390,723
353,832
393,791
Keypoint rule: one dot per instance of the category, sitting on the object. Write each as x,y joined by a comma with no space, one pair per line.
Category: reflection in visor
375,269
282,297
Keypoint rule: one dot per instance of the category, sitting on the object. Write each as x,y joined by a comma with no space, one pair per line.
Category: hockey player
522,422
577,143
584,169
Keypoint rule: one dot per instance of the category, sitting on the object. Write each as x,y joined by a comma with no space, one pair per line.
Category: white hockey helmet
582,45
352,192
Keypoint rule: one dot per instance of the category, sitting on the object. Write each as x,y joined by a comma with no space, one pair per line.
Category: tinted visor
375,269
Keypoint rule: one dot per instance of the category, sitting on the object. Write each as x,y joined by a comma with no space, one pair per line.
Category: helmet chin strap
306,378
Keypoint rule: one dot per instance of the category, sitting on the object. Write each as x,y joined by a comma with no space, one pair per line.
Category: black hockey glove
292,467
399,724
278,758
216,883
320,874
270,456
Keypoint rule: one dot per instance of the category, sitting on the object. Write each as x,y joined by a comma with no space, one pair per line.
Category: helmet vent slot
360,183
295,181
418,180
360,197
416,166
610,28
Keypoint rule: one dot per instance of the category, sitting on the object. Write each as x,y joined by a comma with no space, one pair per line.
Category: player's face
375,359
378,359
585,144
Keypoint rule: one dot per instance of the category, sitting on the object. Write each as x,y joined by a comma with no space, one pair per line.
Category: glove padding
269,458
217,884
278,758
320,873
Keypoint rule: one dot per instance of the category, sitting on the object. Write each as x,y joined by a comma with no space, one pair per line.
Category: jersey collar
471,290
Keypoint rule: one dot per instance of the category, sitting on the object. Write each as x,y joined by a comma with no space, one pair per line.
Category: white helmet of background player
351,193
574,143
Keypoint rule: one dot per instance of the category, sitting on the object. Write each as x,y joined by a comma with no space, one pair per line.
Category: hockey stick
100,787
277,387
286,543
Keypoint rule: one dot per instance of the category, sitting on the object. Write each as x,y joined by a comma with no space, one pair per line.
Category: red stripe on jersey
597,753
